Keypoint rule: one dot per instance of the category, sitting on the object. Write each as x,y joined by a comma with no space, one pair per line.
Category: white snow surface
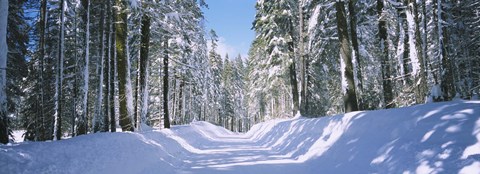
417,139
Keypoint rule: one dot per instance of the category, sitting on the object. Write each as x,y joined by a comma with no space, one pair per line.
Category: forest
75,67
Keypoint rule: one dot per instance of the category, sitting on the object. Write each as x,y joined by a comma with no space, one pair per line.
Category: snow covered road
431,138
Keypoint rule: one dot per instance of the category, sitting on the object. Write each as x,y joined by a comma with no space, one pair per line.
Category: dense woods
361,55
76,67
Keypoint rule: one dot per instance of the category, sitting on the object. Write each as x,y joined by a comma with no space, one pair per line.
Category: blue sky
232,20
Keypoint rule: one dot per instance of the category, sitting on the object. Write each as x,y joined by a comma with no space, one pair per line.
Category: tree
111,67
216,66
145,43
355,45
82,122
165,87
17,42
274,23
57,133
385,63
447,85
415,52
4,131
122,63
350,96
99,121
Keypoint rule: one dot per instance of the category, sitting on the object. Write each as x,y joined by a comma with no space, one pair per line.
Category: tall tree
385,63
59,76
303,60
166,117
447,85
4,131
355,45
99,119
275,23
107,68
145,43
122,62
82,122
350,96
18,44
112,67
415,52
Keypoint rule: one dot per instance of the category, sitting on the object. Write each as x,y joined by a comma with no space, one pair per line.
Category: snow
435,94
344,78
134,4
411,41
18,135
416,139
314,19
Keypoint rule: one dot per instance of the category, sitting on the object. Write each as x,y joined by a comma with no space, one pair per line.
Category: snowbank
430,138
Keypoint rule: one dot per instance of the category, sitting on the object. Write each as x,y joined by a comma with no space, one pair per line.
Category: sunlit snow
385,141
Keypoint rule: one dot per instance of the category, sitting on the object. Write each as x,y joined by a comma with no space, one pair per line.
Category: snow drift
430,138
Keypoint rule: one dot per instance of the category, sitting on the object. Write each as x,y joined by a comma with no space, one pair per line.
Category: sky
232,21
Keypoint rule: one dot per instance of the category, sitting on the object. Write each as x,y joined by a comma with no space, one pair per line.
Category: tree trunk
447,75
43,30
165,86
106,69
3,71
303,57
75,81
293,83
416,54
350,96
122,64
111,71
83,123
386,74
59,80
144,68
356,53
100,117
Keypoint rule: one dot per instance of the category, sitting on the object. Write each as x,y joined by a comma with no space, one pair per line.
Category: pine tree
166,117
57,132
144,68
99,121
386,77
122,63
274,22
416,56
350,97
356,53
17,41
3,72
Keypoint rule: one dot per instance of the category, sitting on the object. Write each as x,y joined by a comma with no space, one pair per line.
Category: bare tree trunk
165,86
386,74
99,115
106,68
59,79
112,72
75,81
303,62
356,53
43,31
416,54
350,96
144,68
3,72
122,64
447,75
82,123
